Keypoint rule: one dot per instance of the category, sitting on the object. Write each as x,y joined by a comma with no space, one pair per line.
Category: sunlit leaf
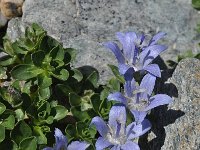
61,112
116,73
2,108
2,133
25,72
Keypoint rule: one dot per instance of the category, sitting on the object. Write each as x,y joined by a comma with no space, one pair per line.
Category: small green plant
39,91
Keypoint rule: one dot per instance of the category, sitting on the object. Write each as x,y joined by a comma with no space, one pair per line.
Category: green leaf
95,100
19,114
196,4
38,132
2,133
7,60
49,120
72,53
63,75
3,73
38,29
45,93
104,93
116,73
74,99
17,49
57,53
20,132
81,115
93,78
71,132
29,143
8,47
77,75
9,122
61,112
12,96
38,58
25,72
27,59
2,108
84,131
114,84
44,81
44,107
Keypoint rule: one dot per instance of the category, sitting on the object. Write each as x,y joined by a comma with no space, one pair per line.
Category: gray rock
3,20
177,127
83,24
184,132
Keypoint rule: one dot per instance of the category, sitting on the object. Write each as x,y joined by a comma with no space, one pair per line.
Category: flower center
118,136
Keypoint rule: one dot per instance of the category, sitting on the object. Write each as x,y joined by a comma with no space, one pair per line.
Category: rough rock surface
83,24
3,20
11,8
184,132
177,127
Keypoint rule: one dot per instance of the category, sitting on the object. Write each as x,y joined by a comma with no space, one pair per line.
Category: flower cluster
137,97
136,56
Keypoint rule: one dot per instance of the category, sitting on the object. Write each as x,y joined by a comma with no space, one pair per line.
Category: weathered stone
3,20
11,8
184,132
83,24
177,127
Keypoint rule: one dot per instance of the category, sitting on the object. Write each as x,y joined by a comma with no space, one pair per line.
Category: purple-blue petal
123,68
117,116
129,86
157,100
117,96
135,130
102,143
101,126
157,37
148,83
76,145
117,52
153,69
127,41
155,50
130,146
128,76
150,53
139,115
61,140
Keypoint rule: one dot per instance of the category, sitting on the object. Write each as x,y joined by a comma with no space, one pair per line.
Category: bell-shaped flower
135,55
115,135
62,143
138,97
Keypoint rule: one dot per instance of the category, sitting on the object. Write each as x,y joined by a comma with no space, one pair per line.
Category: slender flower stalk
62,143
114,134
135,55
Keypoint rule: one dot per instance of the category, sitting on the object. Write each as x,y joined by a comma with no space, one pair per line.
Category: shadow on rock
161,116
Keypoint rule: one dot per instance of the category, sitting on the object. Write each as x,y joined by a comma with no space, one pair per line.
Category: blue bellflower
138,98
62,143
135,56
114,134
